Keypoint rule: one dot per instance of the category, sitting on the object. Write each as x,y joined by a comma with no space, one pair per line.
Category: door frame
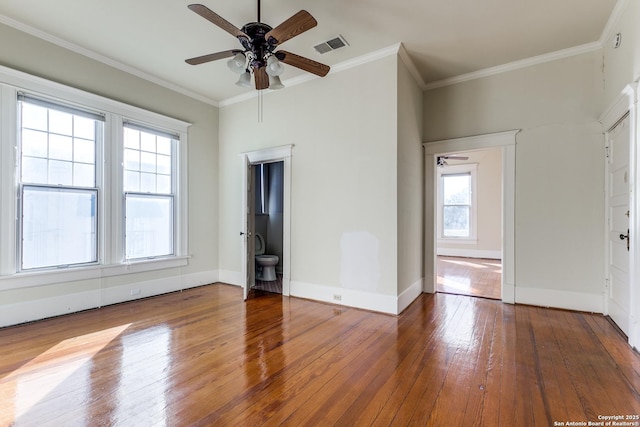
270,155
627,102
506,140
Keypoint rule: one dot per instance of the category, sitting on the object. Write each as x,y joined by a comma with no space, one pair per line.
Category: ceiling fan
442,160
258,55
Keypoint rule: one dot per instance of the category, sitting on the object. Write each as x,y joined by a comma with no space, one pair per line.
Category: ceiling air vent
331,45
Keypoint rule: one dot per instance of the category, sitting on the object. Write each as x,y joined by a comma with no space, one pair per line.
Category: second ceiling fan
259,41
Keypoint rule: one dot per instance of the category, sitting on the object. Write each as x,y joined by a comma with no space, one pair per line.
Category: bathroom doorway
266,221
268,225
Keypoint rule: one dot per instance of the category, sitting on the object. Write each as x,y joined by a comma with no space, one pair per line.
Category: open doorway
266,221
268,225
469,223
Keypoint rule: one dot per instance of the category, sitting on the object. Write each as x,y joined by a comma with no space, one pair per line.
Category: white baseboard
577,301
28,311
389,304
409,295
469,253
231,277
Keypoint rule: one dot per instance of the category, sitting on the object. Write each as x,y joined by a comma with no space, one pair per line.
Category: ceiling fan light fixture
237,63
274,66
274,82
244,80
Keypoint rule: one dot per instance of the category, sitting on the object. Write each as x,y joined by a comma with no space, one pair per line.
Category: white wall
410,185
344,181
37,57
559,170
489,207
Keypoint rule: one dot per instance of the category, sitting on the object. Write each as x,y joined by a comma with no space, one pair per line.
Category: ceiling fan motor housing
256,43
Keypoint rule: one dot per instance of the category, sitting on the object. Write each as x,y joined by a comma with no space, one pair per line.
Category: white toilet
266,264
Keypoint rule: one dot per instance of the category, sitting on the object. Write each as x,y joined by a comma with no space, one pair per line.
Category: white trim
470,253
506,140
342,66
411,66
615,16
349,297
578,301
409,295
28,311
103,59
627,101
516,65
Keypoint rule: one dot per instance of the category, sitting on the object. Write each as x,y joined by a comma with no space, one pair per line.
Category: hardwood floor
469,276
203,357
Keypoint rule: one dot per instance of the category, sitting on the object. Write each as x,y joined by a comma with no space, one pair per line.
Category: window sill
74,274
457,240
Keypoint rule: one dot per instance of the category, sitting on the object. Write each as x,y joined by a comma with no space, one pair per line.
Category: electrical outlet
135,292
337,297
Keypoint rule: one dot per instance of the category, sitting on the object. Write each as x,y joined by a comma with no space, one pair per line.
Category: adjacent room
335,213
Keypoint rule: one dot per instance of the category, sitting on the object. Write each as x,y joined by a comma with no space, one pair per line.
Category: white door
248,229
618,196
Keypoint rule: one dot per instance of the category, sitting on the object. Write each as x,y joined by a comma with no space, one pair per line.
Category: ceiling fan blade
211,57
261,77
303,63
297,24
216,19
456,157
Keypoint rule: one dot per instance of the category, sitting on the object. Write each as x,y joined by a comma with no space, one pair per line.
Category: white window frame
110,202
472,170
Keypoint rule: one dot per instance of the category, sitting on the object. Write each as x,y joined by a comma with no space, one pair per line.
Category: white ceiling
444,38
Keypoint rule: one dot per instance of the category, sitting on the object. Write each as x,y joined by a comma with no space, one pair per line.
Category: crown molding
613,20
411,66
516,65
103,59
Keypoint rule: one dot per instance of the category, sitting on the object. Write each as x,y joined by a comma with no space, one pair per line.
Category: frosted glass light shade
274,67
244,80
236,64
275,83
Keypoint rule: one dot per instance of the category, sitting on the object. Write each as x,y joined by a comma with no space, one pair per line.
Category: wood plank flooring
477,277
203,357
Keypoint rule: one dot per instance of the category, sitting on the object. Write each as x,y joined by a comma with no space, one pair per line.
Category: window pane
456,221
60,147
58,227
34,143
84,151
34,117
60,173
147,162
164,184
149,226
131,181
34,170
83,175
164,145
147,142
456,189
84,128
164,164
60,122
132,160
147,183
131,138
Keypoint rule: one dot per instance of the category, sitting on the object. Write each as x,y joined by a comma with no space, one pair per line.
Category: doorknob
623,237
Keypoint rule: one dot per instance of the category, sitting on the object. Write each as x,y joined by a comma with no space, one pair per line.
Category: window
89,187
58,191
456,199
148,192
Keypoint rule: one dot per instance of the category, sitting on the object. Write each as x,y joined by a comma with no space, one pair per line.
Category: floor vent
331,45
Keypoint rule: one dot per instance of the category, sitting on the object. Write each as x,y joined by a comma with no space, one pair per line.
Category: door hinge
607,151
